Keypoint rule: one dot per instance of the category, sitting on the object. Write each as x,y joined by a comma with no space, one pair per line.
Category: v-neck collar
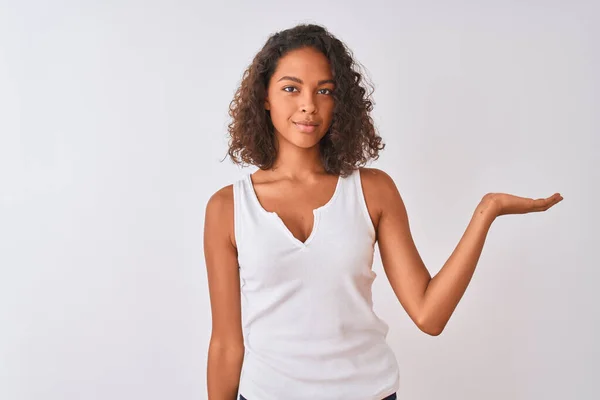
316,213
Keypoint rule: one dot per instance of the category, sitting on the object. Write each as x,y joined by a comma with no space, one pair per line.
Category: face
300,97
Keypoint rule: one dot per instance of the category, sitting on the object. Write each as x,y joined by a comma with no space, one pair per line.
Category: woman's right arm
226,348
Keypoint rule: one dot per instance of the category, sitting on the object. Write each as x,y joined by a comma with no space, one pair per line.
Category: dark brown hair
351,139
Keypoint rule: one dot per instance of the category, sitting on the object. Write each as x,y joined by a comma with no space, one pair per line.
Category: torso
306,292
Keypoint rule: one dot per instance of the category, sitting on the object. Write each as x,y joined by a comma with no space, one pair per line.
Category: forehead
305,63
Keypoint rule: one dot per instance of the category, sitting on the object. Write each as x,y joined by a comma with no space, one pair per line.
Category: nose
308,104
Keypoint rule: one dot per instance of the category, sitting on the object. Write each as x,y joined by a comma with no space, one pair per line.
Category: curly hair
351,139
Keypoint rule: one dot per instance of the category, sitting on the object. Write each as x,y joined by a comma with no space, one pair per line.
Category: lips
306,127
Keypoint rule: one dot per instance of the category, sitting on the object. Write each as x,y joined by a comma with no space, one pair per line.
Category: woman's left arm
445,289
430,302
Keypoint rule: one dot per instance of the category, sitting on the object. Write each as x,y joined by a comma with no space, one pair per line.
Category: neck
297,162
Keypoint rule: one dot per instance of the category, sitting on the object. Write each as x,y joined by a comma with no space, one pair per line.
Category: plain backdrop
113,122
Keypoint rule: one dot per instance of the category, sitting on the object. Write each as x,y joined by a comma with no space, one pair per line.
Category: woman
289,248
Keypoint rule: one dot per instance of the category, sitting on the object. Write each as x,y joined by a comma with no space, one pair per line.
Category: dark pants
390,397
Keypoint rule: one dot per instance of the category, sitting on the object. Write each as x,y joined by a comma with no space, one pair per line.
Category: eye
288,87
329,91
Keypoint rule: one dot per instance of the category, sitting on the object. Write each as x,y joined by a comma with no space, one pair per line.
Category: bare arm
402,262
446,288
430,302
226,348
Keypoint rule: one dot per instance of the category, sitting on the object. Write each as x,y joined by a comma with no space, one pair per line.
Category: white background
112,129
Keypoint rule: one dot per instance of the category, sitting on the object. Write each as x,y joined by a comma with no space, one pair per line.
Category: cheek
327,107
280,116
283,109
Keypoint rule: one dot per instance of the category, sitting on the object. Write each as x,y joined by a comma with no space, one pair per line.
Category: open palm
505,203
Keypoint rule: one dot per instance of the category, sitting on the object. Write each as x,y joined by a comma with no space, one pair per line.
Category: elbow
227,351
433,332
429,328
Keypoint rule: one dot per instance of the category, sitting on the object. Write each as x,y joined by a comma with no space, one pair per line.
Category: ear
267,105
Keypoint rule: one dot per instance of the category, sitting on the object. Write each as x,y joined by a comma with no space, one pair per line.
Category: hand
503,203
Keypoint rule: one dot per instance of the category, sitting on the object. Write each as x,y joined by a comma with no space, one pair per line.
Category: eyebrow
298,80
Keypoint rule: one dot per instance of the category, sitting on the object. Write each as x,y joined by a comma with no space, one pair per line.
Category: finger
540,204
545,204
555,198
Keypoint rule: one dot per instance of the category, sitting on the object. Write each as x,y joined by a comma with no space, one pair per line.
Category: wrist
488,207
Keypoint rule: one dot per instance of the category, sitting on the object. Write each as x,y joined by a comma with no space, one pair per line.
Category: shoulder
221,200
219,213
379,191
376,180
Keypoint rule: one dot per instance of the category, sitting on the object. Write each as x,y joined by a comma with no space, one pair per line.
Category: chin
305,141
